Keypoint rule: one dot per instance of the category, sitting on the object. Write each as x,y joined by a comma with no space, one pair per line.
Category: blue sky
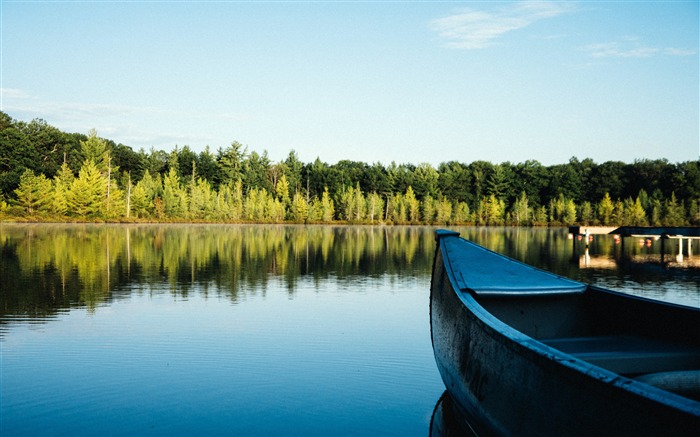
370,81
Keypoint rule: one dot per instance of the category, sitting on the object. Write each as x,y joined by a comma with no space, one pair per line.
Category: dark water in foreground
251,330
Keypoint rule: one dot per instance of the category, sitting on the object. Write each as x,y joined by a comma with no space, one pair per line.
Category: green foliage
299,210
443,213
521,212
327,208
282,190
605,210
375,207
174,195
411,207
87,192
240,185
201,200
462,214
674,212
94,149
34,192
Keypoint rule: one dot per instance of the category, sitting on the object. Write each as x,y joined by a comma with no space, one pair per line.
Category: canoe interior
617,332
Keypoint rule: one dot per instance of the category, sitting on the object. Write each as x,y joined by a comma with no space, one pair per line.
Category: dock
692,232
591,230
663,233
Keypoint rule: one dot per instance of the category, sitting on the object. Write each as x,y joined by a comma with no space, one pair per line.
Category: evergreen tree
95,149
656,217
443,213
674,212
299,211
541,216
275,210
694,212
230,163
88,191
429,210
144,194
141,206
34,192
282,189
606,208
201,200
375,207
618,216
569,212
521,211
174,196
462,214
411,206
114,205
327,207
635,214
586,214
61,186
495,210
230,201
396,209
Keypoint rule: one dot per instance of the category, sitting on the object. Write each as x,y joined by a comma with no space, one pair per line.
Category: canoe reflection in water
448,421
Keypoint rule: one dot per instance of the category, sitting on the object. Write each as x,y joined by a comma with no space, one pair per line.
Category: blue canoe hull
526,352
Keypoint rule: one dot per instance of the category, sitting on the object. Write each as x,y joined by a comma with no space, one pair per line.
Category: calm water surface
252,330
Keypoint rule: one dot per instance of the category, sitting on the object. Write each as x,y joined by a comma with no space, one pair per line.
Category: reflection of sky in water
341,355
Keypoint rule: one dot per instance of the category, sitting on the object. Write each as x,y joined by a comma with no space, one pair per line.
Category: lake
253,329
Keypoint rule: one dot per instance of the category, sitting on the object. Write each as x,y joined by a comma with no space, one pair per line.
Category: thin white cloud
122,123
671,51
13,93
631,48
472,29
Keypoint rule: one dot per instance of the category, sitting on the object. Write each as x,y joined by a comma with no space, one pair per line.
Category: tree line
47,174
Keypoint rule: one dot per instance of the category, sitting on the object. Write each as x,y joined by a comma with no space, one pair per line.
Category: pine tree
396,209
201,199
114,204
282,190
569,212
462,214
375,207
429,209
635,214
521,210
674,212
412,206
444,211
140,204
586,213
61,186
87,191
327,207
495,210
174,196
299,211
34,192
606,208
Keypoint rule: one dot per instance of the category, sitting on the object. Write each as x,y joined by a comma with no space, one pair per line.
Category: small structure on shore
663,233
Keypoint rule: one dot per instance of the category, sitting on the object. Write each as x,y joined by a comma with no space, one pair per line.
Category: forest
50,175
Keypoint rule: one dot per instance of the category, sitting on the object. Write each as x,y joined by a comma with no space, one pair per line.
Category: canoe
528,352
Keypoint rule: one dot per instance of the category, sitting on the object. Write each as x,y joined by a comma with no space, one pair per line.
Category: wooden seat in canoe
629,355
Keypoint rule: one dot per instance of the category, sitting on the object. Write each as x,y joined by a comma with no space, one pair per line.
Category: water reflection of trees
47,267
